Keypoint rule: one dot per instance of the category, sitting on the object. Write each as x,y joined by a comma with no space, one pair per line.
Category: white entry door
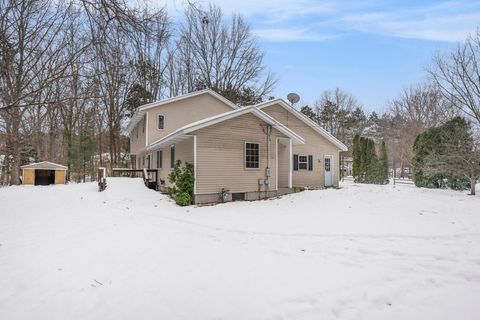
328,170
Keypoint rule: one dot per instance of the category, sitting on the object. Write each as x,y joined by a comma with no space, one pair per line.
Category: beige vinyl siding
180,113
221,156
137,144
315,145
183,152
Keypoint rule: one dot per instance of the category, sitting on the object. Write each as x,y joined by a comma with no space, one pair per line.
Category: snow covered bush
182,180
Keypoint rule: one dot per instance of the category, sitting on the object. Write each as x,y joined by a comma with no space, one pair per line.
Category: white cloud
300,20
291,34
430,25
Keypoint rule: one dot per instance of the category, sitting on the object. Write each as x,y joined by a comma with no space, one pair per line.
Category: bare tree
217,54
457,75
341,114
417,108
31,60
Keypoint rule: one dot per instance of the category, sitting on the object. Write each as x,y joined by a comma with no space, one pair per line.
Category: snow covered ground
361,252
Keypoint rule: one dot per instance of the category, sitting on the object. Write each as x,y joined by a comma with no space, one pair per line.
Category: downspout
268,172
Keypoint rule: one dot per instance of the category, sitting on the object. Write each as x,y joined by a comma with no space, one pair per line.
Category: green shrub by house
182,180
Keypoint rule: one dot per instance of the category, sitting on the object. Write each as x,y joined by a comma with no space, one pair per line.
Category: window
172,156
159,159
327,164
143,128
161,122
252,155
302,162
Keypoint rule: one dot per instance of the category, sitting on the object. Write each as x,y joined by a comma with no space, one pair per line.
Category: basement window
252,155
238,196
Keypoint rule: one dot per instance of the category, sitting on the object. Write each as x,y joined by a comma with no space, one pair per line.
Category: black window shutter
295,162
172,157
310,163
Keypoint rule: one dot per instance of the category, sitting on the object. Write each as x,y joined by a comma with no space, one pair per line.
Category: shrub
182,180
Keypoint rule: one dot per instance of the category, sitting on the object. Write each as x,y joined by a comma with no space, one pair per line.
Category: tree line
73,71
451,89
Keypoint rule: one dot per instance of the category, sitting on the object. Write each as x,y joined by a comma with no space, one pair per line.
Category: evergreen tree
367,166
306,110
371,161
356,154
433,143
383,165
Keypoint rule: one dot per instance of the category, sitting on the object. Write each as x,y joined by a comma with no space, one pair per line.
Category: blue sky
371,49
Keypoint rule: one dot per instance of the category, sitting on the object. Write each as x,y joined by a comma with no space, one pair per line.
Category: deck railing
149,176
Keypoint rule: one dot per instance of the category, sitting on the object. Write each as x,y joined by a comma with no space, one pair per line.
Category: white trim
194,164
290,174
141,111
36,164
305,119
146,129
331,169
245,155
306,169
276,164
174,136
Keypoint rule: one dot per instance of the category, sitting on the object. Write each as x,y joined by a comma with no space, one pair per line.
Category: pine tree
356,154
371,161
383,165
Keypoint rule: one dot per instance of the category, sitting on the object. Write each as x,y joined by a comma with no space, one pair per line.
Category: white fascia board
140,112
305,119
223,117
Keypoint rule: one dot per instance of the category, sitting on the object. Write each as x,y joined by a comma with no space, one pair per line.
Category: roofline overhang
142,110
186,130
305,119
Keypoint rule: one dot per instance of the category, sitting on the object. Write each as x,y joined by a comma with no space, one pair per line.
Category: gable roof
181,133
45,165
142,110
305,119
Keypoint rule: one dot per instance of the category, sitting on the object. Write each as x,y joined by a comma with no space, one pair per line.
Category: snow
360,252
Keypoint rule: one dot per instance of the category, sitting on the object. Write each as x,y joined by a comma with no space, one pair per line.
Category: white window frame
245,155
303,162
158,122
159,159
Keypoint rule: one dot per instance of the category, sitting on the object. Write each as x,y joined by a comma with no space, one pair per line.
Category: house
43,173
249,152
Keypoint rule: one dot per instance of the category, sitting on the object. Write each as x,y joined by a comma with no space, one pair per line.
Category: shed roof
45,165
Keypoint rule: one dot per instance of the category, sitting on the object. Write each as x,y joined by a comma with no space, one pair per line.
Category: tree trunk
473,181
15,146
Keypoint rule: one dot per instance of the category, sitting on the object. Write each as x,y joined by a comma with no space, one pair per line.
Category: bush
431,143
182,180
183,199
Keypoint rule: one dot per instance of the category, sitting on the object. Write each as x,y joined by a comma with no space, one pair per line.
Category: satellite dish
293,98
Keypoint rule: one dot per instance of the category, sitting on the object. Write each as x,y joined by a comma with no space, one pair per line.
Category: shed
44,173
